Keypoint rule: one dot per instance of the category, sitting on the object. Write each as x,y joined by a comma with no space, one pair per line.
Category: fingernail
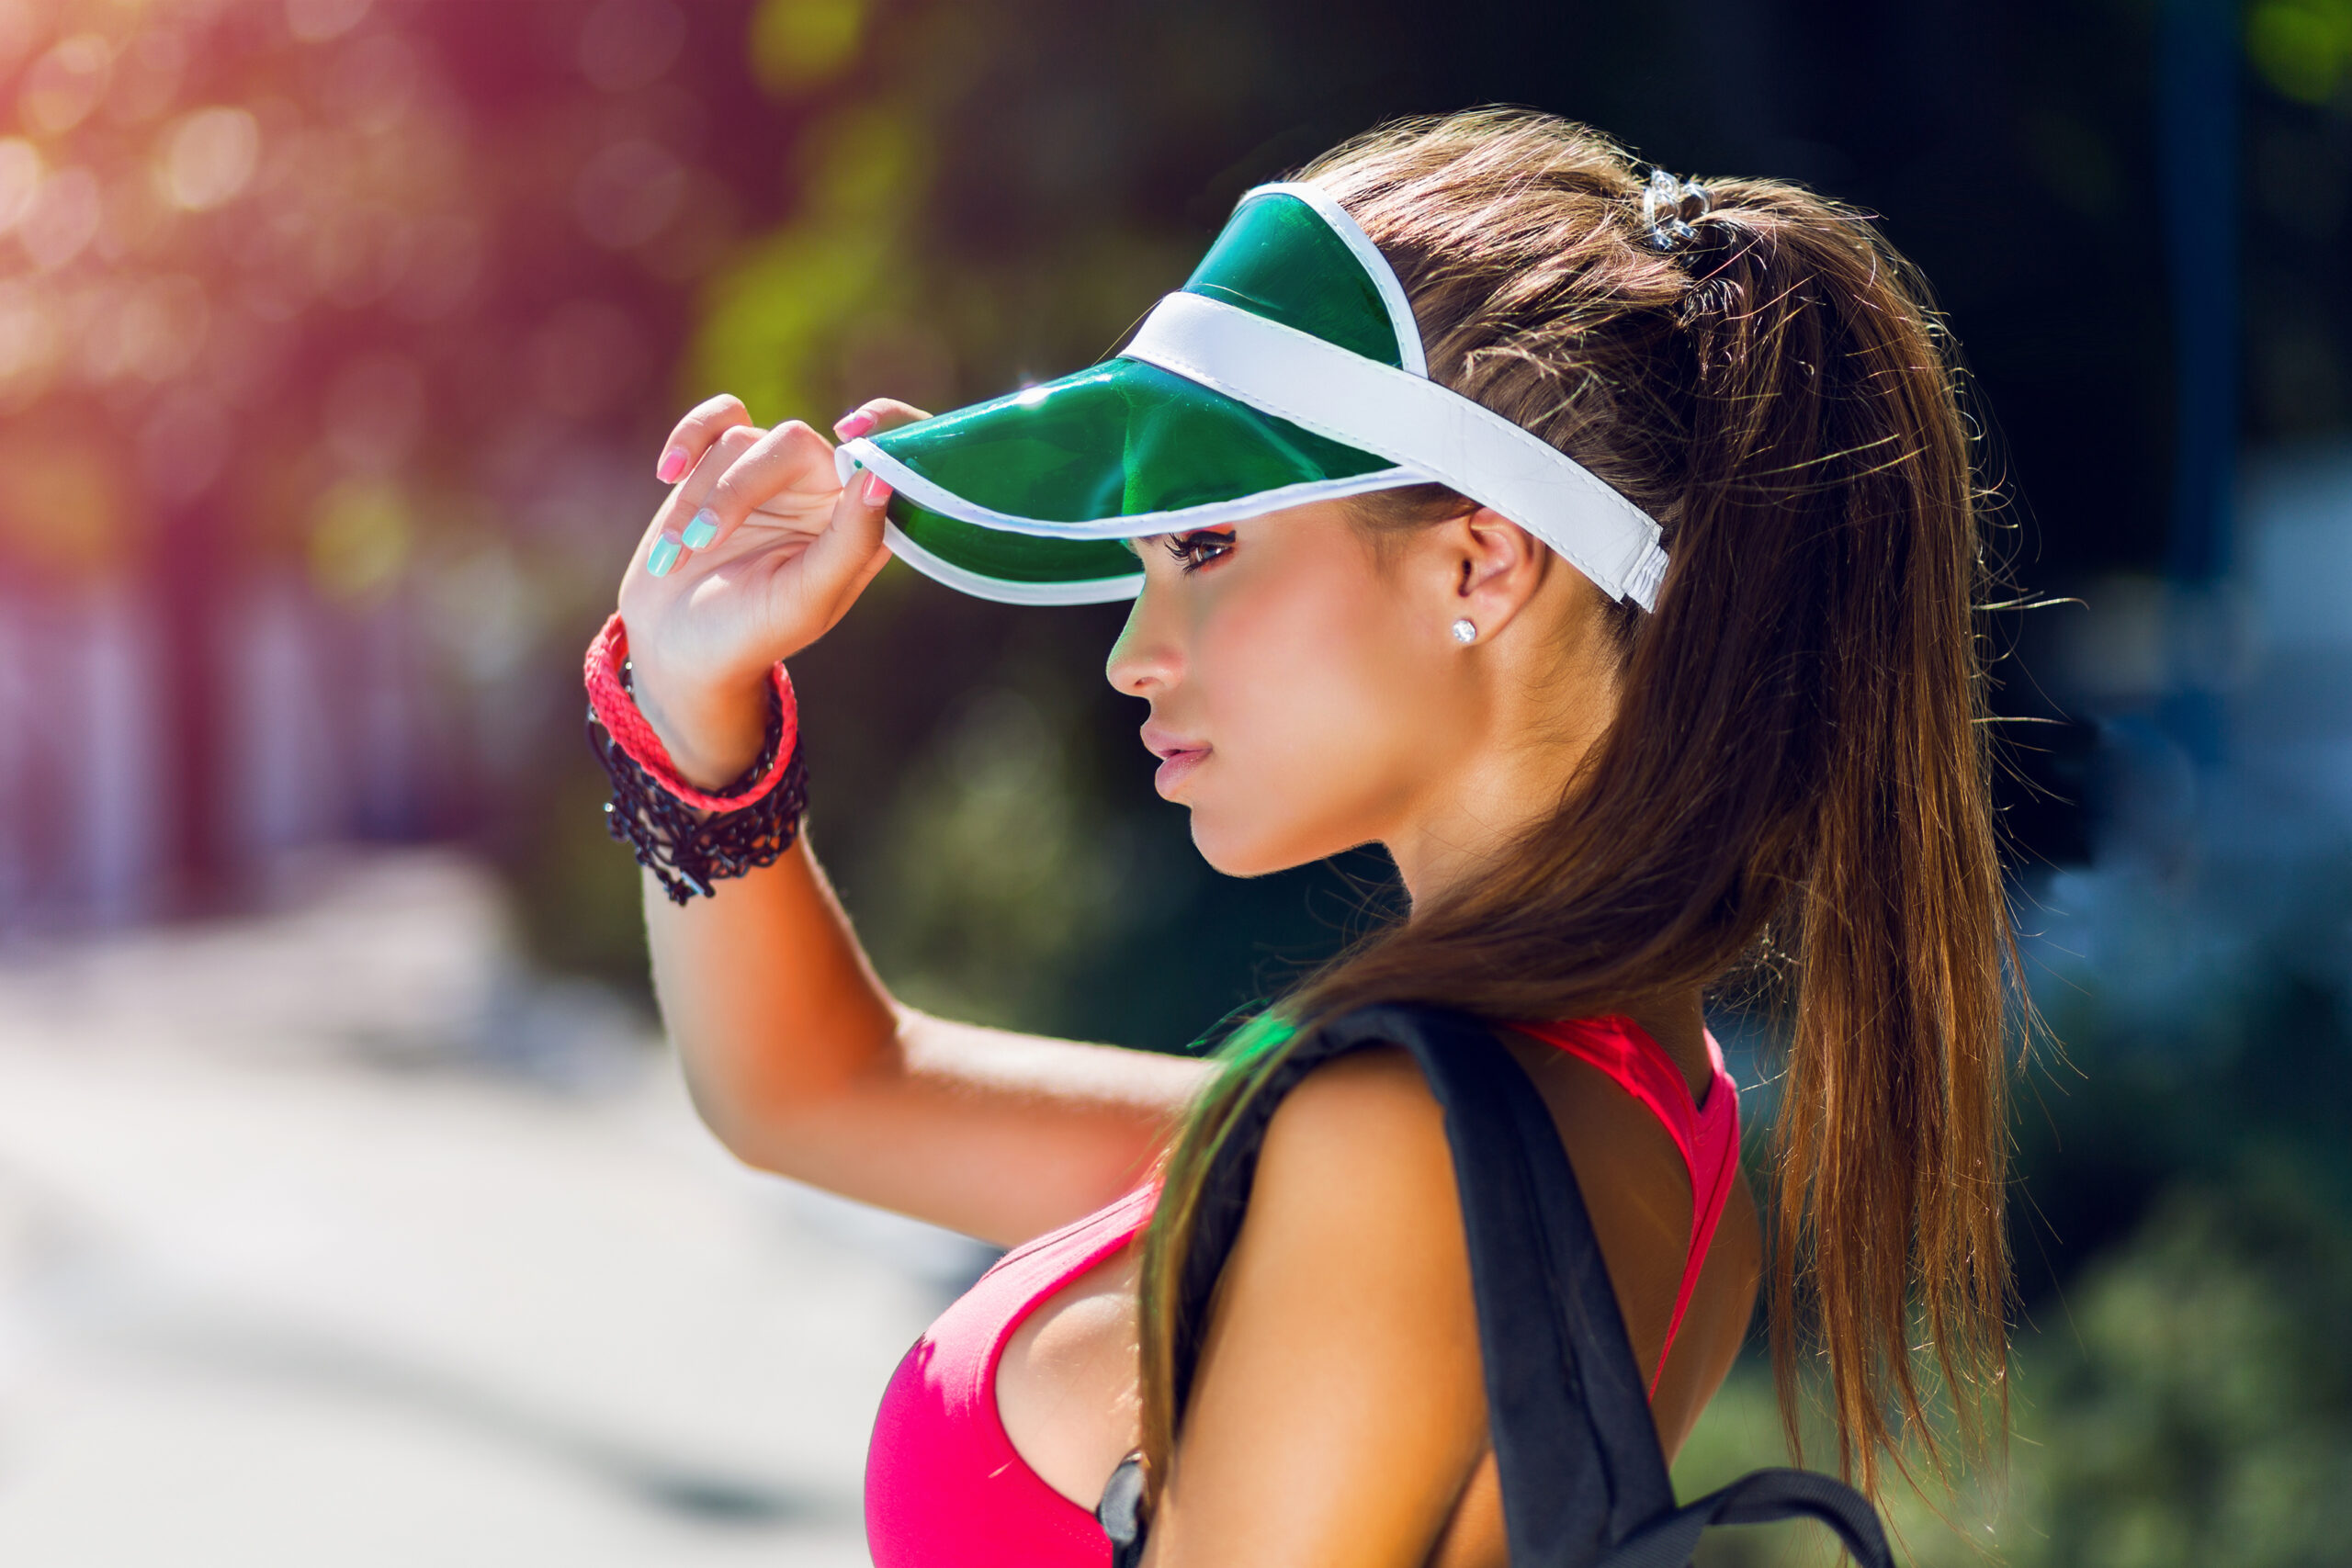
702,530
877,488
854,423
663,557
672,466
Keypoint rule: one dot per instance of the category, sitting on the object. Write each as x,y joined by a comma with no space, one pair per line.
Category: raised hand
755,555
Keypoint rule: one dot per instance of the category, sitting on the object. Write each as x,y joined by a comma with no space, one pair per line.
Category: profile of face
1310,691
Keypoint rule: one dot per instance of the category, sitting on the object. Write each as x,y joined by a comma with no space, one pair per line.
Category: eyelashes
1197,549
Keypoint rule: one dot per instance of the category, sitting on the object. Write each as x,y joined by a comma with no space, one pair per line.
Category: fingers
876,414
843,560
694,434
786,473
724,468
673,533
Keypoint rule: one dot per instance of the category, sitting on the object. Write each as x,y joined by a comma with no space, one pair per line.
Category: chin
1233,851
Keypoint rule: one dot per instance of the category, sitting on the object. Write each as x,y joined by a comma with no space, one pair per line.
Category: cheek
1319,707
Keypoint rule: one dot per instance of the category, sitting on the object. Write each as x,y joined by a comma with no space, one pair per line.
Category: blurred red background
330,342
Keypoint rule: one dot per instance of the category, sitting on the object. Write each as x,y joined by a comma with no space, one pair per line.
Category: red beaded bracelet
617,711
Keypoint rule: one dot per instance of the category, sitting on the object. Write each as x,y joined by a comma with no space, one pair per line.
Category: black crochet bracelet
687,850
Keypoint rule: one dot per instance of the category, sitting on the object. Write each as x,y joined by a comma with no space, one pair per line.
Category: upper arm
800,1062
1000,1135
1337,1408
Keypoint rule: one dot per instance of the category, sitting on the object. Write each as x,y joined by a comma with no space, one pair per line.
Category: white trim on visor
1413,422
1088,590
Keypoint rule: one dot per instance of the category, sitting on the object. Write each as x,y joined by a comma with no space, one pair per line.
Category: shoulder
1353,1219
1356,1167
1369,1113
1339,1408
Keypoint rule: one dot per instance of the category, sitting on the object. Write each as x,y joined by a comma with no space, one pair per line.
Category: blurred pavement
329,1237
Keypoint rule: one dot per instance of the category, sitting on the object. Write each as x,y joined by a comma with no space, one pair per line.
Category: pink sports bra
944,1487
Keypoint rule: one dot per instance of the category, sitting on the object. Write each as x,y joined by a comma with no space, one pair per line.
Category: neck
1475,811
1485,811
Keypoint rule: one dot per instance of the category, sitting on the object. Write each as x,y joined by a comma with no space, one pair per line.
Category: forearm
799,1062
766,995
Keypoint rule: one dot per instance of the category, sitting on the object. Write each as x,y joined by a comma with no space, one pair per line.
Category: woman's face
1307,693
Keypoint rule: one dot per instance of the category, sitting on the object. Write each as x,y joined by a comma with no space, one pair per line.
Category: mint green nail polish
663,557
702,530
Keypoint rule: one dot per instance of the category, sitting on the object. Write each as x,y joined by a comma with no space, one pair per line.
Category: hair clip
1668,207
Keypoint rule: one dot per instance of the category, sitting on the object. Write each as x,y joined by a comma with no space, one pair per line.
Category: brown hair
1798,761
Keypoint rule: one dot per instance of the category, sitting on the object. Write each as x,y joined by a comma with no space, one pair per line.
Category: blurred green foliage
2198,1405
2302,48
2186,1402
2182,1380
1001,874
797,44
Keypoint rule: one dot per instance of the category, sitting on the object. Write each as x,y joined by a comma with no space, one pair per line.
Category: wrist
679,829
712,733
614,709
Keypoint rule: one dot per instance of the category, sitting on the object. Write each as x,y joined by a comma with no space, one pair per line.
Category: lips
1176,768
1177,756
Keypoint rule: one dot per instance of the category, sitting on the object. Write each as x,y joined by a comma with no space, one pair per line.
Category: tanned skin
1306,696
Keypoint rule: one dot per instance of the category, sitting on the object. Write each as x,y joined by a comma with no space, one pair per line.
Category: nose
1144,661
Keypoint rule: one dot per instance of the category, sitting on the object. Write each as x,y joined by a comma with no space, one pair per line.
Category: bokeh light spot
208,157
359,539
628,192
20,169
147,76
375,83
627,44
2302,48
797,44
63,218
151,332
315,21
20,31
66,83
28,344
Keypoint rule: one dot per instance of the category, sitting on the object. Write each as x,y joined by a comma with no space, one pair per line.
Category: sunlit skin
1306,694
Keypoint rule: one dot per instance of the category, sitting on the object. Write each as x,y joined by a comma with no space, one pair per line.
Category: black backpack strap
1584,1484
1759,1498
1574,1441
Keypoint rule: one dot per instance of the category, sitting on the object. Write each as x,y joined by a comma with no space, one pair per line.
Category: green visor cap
1288,369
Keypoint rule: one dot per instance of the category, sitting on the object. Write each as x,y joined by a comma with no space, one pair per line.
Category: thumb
843,560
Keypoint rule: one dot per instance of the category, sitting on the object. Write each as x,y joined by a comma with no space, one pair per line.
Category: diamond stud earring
1463,632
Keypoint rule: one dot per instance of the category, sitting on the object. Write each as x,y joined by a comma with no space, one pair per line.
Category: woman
1693,683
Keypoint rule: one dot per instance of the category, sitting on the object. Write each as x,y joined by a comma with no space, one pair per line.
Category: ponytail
1798,760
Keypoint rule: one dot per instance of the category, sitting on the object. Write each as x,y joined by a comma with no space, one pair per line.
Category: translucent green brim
1025,498
1288,369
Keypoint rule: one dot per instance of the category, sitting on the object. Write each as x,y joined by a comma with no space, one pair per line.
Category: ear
1495,567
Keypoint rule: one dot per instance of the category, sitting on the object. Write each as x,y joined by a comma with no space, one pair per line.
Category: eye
1199,547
